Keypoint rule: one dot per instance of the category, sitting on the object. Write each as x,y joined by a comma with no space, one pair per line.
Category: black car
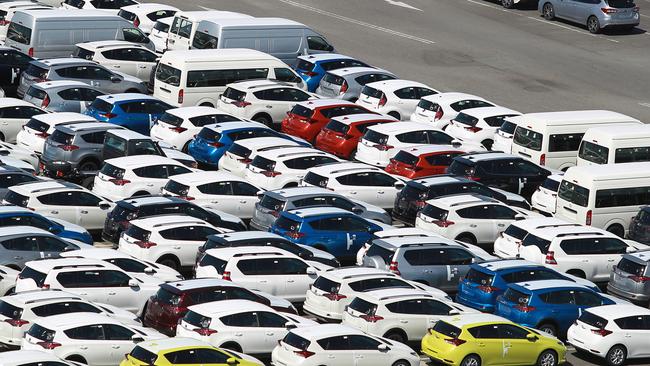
499,170
145,206
412,198
12,64
640,226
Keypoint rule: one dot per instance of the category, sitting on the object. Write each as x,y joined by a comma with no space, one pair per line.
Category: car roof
161,222
403,232
259,84
292,192
457,201
29,188
316,211
542,222
607,172
461,321
616,311
247,235
393,294
430,149
84,126
148,7
47,265
10,209
616,132
61,83
109,45
546,284
266,141
164,344
325,330
451,97
402,241
137,161
63,117
358,70
503,264
362,117
262,22
324,57
129,134
151,200
252,251
490,156
51,62
38,296
24,356
225,54
235,125
643,255
290,152
122,97
530,120
570,232
344,167
400,127
199,283
318,103
204,177
394,84
194,111
71,320
215,308
483,112
440,179
344,273
66,13
13,102
96,253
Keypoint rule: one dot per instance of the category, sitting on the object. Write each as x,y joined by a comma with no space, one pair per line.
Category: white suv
479,124
137,175
508,243
282,168
334,290
127,57
62,200
268,269
28,358
437,110
396,98
242,152
357,181
33,134
544,199
171,240
90,339
8,277
469,218
233,195
239,325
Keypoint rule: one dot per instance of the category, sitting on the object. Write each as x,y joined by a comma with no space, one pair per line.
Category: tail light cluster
383,100
588,217
179,129
309,73
542,160
119,181
42,135
226,276
371,318
443,223
46,101
601,332
4,22
439,114
241,104
205,331
393,267
145,244
108,115
216,144
525,308
304,353
455,341
334,296
473,129
30,52
639,279
295,235
16,322
181,96
550,257
68,147
382,147
271,173
344,87
488,289
49,345
136,21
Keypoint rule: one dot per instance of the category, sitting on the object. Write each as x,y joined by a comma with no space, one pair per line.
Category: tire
471,360
466,238
77,358
395,335
508,4
547,358
263,119
617,230
2,136
395,115
140,193
488,144
593,25
231,346
290,185
616,355
186,147
548,328
88,165
577,273
401,363
169,262
353,155
206,104
548,11
133,91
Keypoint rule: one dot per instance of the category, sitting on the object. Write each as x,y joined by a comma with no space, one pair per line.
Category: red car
341,135
424,160
307,119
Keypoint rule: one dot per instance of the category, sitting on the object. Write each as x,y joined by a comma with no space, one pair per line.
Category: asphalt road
512,57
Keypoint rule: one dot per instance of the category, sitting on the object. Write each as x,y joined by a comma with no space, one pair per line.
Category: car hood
123,316
68,226
370,208
224,216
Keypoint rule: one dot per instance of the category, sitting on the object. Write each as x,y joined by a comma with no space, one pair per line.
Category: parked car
396,98
479,124
134,111
62,95
348,82
423,161
14,113
19,216
630,276
12,64
595,15
639,229
130,58
33,135
312,68
341,135
145,16
439,109
544,199
242,152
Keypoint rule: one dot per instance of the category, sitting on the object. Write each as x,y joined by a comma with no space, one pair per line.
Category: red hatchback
341,135
422,161
307,119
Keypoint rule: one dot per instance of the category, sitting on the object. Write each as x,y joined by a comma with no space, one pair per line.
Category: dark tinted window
534,240
201,121
479,277
143,355
592,319
10,311
377,283
211,78
632,154
617,197
168,74
574,193
485,331
593,246
446,329
64,307
593,152
632,267
529,139
564,142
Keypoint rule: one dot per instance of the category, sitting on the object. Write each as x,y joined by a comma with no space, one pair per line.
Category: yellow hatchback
486,339
184,351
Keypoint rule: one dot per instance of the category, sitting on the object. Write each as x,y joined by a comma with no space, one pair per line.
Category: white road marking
572,29
647,105
204,8
358,22
499,8
645,16
402,4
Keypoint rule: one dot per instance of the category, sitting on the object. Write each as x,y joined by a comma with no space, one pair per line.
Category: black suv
499,170
136,208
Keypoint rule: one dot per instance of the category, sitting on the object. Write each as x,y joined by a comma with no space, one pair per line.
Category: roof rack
369,274
98,265
578,234
239,255
71,297
405,295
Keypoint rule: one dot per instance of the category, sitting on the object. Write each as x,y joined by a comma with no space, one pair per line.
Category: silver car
62,95
595,14
630,278
89,72
347,83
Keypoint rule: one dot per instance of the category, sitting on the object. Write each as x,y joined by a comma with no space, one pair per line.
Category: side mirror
311,271
134,283
231,361
329,48
260,194
116,79
149,270
137,339
456,143
454,312
399,185
531,337
520,217
357,210
290,325
382,347
614,268
104,205
54,229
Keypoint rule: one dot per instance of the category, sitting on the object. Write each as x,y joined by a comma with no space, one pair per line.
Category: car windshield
574,193
168,75
593,152
528,138
19,33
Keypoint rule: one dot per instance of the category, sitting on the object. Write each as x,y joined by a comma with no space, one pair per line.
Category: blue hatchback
334,230
550,306
486,281
214,140
134,111
312,68
18,216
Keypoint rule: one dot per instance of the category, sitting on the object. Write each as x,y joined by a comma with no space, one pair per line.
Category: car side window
246,320
59,199
318,44
441,159
24,244
71,94
380,180
35,221
414,137
244,189
482,212
136,36
8,180
19,112
371,78
362,342
151,171
509,331
419,306
458,256
216,188
584,298
407,93
114,279
116,332
307,162
423,92
85,199
490,331
562,297
64,307
271,320
425,257
377,283
286,75
439,138
342,110
50,244
94,137
93,332
635,322
502,212
354,224
341,202
99,73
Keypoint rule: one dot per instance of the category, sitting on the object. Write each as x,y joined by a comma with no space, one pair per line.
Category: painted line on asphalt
572,29
499,8
647,105
358,22
402,4
645,16
204,8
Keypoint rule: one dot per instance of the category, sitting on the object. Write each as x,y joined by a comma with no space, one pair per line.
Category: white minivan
552,139
614,145
198,77
604,196
185,23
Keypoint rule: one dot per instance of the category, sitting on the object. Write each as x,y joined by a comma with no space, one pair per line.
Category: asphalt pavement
514,58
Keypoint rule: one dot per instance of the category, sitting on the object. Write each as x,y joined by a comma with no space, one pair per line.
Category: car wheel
471,360
548,328
488,144
547,358
395,115
466,238
88,165
206,105
617,230
401,363
616,355
548,11
396,336
2,136
508,4
169,262
77,358
593,25
232,346
264,120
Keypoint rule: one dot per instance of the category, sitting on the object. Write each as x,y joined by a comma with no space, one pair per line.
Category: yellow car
486,339
184,351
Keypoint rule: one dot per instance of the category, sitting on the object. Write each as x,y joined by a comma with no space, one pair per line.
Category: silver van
282,38
54,33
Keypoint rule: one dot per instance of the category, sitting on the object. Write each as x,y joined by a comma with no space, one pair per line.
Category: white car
62,200
479,124
90,339
33,135
14,113
544,199
437,110
94,280
396,98
111,6
137,175
126,57
469,218
17,163
31,306
242,152
8,277
170,240
508,243
26,358
240,325
233,195
616,333
399,314
159,33
262,101
356,181
503,136
335,344
20,153
7,10
271,270
144,16
333,290
282,168
178,126
129,264
382,142
401,232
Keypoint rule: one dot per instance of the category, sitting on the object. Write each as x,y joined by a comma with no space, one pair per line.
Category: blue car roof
234,126
489,267
546,286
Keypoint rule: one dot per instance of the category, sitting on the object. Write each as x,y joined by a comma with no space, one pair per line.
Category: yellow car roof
463,320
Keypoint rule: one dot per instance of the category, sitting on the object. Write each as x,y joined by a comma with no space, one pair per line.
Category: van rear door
167,84
180,33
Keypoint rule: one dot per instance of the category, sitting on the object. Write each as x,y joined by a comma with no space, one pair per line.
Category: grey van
282,38
630,278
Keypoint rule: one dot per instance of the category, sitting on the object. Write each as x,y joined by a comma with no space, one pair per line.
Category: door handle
380,192
115,346
330,356
84,211
269,333
404,321
54,212
585,260
353,192
269,106
611,260
501,225
83,294
142,66
481,344
112,293
472,225
291,281
239,334
264,281
177,247
83,347
116,66
243,201
149,184
214,201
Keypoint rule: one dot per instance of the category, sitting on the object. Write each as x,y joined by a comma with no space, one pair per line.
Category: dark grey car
10,176
62,95
21,244
347,83
630,278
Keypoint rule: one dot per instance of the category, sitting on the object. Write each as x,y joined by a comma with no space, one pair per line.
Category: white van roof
249,22
209,14
227,54
536,120
66,14
599,135
607,172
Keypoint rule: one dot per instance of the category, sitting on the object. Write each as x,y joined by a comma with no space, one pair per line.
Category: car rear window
218,264
304,65
239,150
19,33
427,105
621,3
36,93
177,188
41,333
263,163
515,296
508,127
102,105
37,125
447,329
327,285
271,203
83,53
382,252
62,137
167,297
16,199
36,276
287,224
168,75
143,355
127,15
363,306
376,137
372,92
300,110
336,126
170,119
10,311
36,71
434,212
161,27
234,94
197,319
316,179
138,233
479,277
551,184
592,319
333,79
112,171
209,134
414,192
515,232
466,119
458,168
631,267
296,341
534,240
406,158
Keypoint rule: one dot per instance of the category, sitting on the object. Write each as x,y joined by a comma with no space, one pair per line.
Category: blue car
486,281
214,140
134,111
336,231
19,216
312,68
550,306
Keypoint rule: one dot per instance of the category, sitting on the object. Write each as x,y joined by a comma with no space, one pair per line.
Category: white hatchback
126,57
479,124
14,113
242,152
437,110
396,98
544,199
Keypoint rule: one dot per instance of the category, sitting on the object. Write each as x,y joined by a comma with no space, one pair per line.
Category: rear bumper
632,296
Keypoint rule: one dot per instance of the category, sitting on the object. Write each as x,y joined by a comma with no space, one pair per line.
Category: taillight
393,267
42,135
372,318
382,147
119,182
588,218
205,331
636,9
108,115
68,147
245,160
46,101
443,223
270,173
609,10
295,235
420,204
488,289
550,257
309,73
49,345
334,296
542,159
181,95
455,341
216,144
16,322
639,279
473,129
186,198
145,244
241,104
439,114
179,129
45,286
136,21
344,87
4,22
382,100
226,276
304,353
30,52
601,332
525,308
275,213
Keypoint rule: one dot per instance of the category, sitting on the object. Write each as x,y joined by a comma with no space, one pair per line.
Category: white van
185,24
552,139
604,196
282,38
54,33
198,77
615,145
